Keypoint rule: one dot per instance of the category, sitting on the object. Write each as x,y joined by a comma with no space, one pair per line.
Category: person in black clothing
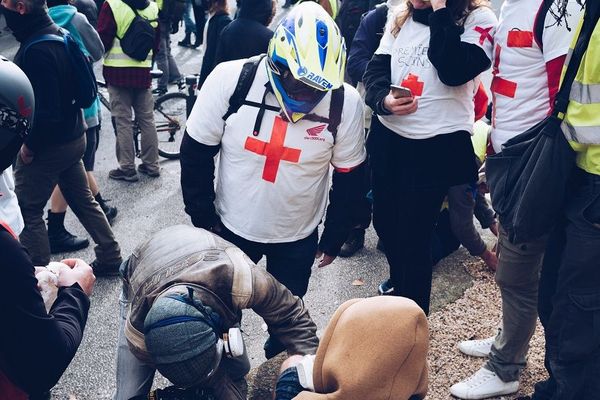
365,42
35,346
52,153
218,20
248,34
420,143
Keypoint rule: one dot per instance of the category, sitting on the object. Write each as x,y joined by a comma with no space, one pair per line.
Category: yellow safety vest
582,120
481,133
124,15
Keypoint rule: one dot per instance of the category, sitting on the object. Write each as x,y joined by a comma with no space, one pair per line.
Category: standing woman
218,19
420,144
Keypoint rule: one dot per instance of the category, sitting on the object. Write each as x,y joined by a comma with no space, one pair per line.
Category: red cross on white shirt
274,150
484,34
413,83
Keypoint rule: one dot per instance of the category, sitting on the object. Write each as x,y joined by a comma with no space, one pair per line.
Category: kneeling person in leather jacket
183,295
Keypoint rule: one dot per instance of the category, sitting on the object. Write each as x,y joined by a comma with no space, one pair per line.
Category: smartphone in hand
400,92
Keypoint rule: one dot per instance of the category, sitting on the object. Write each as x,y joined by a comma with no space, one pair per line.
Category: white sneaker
483,384
477,348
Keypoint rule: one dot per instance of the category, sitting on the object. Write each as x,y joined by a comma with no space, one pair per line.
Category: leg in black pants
572,319
200,18
290,263
405,222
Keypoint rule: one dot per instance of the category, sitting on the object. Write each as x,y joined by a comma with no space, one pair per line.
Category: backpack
138,40
244,83
540,22
85,86
349,18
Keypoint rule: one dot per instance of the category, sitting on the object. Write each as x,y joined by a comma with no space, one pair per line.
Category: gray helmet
16,110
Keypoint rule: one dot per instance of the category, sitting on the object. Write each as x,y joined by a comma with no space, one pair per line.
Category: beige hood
372,349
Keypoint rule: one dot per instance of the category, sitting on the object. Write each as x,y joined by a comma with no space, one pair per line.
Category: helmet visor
294,88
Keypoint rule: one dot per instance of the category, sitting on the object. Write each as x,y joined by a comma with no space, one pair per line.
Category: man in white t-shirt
529,52
296,120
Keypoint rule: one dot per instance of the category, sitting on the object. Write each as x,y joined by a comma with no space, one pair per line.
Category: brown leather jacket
226,279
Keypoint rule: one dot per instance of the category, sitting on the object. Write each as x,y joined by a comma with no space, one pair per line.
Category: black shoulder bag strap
590,20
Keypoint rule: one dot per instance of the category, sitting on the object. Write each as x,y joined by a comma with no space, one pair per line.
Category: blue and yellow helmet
305,60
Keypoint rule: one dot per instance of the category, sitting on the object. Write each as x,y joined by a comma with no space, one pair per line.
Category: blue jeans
288,385
190,25
569,302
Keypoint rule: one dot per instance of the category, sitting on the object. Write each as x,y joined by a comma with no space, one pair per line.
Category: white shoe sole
511,387
468,350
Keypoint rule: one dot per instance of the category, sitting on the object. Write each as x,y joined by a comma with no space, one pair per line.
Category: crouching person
183,295
352,364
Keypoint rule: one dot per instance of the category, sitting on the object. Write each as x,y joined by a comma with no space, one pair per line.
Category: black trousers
569,297
410,179
200,18
290,263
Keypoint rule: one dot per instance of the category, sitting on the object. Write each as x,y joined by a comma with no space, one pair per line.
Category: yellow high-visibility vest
124,15
582,120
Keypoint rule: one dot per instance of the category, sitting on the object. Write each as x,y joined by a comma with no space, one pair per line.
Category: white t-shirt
272,188
9,206
520,91
442,109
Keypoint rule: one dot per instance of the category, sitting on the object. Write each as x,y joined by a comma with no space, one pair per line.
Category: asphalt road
152,204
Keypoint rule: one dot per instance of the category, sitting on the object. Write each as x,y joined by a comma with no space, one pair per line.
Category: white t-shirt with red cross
442,109
520,91
272,188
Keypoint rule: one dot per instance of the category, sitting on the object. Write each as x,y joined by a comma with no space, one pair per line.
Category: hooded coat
362,356
248,35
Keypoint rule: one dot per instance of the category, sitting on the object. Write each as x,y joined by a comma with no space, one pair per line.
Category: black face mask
13,19
22,25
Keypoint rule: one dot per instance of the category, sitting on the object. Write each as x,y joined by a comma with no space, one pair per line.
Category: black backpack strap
243,86
336,106
590,20
540,22
335,110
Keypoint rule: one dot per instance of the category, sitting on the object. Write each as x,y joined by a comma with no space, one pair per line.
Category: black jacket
247,35
366,41
215,26
35,347
56,120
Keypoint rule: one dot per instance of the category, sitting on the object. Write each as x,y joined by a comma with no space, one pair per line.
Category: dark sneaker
159,91
120,175
60,239
110,212
102,269
272,347
385,288
64,241
152,173
355,242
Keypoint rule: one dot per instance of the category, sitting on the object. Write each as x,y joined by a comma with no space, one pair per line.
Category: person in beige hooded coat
363,357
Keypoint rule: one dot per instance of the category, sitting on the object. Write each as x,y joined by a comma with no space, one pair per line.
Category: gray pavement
152,204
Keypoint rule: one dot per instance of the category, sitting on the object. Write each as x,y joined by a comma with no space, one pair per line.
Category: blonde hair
460,10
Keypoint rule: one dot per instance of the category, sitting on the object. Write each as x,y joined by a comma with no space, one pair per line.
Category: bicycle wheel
170,118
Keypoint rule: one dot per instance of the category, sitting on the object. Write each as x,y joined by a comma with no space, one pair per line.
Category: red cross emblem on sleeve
484,33
412,82
274,150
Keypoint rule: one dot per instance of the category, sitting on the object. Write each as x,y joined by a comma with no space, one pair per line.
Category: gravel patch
476,315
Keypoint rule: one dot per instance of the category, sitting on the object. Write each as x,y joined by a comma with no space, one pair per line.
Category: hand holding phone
400,92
